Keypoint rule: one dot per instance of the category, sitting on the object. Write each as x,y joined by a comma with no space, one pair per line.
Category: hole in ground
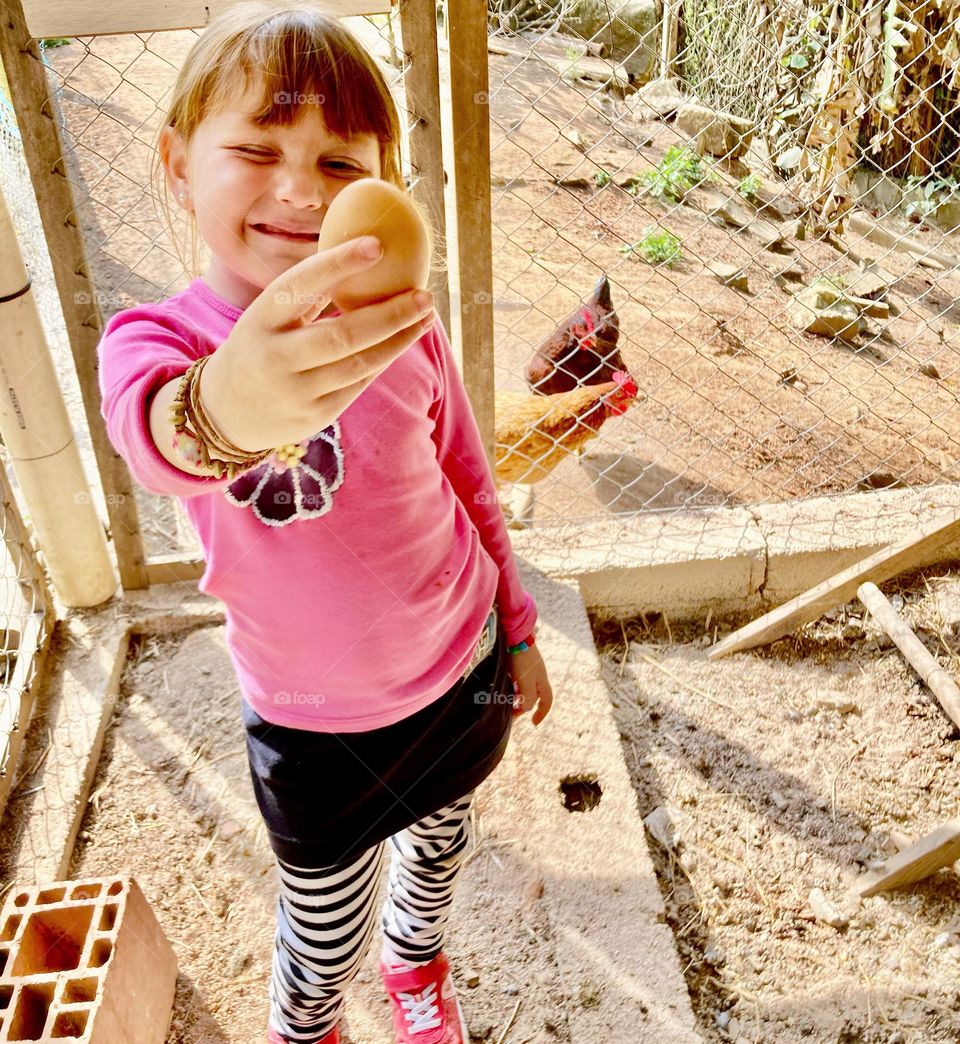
580,793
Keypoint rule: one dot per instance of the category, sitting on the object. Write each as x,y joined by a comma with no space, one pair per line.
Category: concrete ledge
600,890
729,560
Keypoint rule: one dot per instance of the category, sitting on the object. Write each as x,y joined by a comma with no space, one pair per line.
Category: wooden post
36,116
421,80
936,678
473,263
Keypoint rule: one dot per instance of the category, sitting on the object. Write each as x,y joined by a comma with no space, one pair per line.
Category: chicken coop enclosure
698,255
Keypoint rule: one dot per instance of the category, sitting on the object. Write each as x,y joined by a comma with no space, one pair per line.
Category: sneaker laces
422,1011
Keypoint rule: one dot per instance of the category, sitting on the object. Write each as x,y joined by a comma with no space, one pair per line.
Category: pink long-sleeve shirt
356,583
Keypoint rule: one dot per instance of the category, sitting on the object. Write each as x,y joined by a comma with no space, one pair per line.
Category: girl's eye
247,151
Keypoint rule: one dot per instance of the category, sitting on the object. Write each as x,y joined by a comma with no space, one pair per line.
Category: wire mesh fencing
753,210
723,244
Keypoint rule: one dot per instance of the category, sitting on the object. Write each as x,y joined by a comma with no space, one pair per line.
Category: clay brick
84,961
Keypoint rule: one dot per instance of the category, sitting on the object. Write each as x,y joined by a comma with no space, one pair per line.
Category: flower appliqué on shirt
296,482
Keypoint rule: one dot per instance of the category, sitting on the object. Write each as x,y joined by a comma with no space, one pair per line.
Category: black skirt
327,797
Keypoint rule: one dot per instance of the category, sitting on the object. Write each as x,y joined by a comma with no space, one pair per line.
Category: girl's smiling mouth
281,232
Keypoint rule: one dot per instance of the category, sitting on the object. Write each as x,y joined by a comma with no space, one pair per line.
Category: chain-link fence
746,210
753,210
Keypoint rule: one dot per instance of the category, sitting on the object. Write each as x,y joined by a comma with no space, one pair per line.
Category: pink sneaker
333,1037
424,1003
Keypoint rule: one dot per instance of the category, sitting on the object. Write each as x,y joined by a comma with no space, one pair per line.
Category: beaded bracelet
527,643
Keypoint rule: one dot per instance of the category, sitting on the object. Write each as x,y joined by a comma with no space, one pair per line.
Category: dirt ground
789,768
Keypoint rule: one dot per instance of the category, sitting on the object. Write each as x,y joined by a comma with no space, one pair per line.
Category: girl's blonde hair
294,55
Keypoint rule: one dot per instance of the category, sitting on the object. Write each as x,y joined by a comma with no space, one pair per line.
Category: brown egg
377,208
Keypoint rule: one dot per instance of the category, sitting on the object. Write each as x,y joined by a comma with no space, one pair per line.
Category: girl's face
260,194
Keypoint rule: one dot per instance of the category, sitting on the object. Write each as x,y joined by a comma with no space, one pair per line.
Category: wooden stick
881,565
919,860
935,676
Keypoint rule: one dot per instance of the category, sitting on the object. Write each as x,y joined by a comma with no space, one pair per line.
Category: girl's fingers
353,374
302,292
341,336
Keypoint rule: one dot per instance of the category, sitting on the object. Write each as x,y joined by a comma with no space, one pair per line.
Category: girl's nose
300,189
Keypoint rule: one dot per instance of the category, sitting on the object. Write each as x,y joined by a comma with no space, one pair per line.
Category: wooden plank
917,861
421,80
470,113
835,590
935,676
171,569
102,17
38,121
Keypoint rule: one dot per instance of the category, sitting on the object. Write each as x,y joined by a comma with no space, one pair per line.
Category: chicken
582,350
535,432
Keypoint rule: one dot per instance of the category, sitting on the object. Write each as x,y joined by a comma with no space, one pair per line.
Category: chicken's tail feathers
601,292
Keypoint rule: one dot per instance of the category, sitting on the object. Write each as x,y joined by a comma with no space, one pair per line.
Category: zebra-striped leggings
325,918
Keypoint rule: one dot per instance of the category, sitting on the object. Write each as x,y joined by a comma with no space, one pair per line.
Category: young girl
337,482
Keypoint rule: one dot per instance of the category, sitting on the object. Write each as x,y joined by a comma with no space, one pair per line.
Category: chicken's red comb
627,384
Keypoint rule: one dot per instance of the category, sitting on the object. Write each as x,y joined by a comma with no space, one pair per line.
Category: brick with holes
84,961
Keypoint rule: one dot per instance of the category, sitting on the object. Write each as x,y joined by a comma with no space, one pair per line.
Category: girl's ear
173,155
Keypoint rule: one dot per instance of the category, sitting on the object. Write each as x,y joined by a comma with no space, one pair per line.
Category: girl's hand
531,684
280,377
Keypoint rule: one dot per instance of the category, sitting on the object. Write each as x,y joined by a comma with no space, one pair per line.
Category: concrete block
84,961
679,563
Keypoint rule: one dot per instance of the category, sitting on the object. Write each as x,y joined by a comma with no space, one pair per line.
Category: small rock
663,824
230,828
825,911
237,964
722,1019
471,977
511,990
779,800
729,275
946,939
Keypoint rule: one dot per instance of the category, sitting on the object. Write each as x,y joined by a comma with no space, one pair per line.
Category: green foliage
656,248
749,187
601,177
54,41
680,170
934,192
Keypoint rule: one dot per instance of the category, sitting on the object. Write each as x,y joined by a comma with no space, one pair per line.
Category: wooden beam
38,121
936,677
470,111
421,81
938,849
834,591
47,18
171,569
